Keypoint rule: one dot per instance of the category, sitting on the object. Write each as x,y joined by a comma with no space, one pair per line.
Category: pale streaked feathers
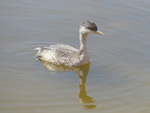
60,54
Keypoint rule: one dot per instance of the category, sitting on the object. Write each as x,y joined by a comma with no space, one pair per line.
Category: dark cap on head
89,25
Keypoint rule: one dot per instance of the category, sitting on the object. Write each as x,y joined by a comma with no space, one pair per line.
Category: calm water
116,81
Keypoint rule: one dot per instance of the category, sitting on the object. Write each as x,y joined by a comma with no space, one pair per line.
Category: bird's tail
38,48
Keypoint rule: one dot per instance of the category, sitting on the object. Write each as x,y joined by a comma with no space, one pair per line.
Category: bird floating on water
60,54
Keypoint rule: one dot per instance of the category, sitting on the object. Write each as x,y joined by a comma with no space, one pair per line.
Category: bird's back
59,54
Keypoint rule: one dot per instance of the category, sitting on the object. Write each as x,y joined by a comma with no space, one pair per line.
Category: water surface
116,81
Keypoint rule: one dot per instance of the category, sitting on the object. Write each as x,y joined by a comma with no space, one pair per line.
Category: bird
60,54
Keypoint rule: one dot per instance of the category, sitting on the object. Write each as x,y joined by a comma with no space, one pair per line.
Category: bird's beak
99,32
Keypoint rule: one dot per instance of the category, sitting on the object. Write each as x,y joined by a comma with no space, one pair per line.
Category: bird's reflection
82,72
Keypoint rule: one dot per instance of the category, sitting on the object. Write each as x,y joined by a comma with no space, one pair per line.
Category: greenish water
116,81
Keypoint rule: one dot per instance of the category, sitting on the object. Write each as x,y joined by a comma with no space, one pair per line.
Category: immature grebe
60,54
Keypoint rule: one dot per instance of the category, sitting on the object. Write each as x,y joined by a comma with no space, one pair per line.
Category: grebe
60,54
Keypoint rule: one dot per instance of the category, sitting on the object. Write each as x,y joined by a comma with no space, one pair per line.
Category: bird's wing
61,54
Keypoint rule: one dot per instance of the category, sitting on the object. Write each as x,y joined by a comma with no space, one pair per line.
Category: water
118,77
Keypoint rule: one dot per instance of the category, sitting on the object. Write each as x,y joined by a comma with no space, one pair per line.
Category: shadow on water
82,72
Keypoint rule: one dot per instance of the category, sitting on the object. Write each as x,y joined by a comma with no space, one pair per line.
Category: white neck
84,57
83,49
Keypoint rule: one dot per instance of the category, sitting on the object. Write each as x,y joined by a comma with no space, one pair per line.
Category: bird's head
88,27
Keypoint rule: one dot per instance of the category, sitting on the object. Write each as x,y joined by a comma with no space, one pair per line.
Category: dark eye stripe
92,28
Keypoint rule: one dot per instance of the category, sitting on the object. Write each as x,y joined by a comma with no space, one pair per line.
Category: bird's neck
83,38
